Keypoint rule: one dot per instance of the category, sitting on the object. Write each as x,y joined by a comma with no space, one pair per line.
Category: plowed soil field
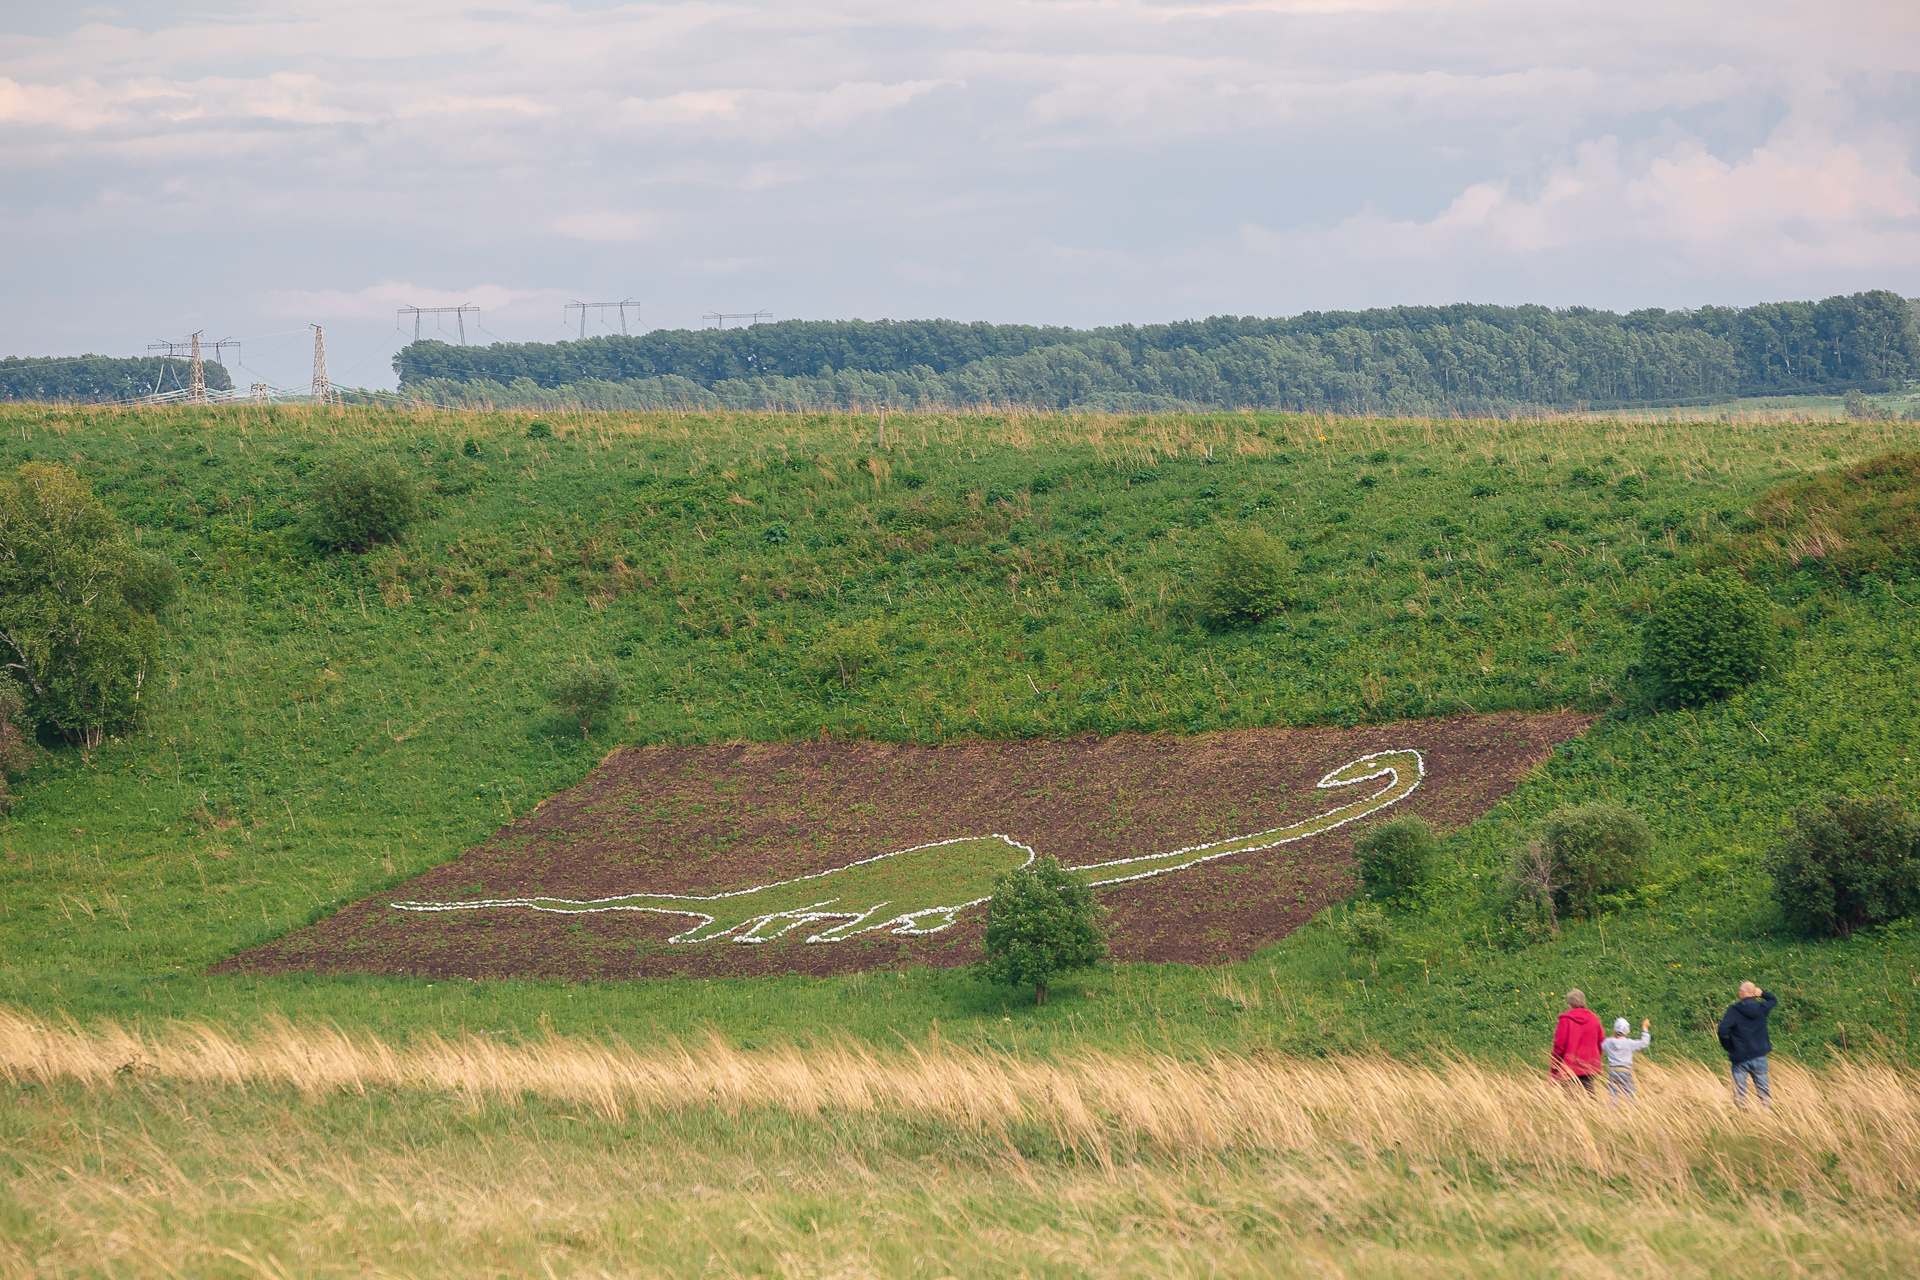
719,819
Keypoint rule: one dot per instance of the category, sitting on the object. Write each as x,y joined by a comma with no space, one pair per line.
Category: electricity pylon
459,314
192,348
621,306
323,392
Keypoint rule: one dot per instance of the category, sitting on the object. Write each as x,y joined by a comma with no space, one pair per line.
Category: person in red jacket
1576,1044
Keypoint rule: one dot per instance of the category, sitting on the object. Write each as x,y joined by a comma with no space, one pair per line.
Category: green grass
325,728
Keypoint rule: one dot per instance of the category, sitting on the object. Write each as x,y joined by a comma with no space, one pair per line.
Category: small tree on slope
1041,921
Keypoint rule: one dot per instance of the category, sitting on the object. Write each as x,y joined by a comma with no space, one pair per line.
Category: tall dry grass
308,1151
1857,1121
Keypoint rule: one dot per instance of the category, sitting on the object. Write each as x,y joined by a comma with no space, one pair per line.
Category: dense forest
99,379
1453,359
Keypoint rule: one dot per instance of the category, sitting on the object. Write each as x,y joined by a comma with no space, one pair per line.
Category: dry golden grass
307,1151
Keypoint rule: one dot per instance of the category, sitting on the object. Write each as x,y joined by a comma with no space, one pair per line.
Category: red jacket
1576,1044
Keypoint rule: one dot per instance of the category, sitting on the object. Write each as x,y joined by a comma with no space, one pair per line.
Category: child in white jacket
1619,1053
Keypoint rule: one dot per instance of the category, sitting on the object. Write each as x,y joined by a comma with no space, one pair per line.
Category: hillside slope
327,727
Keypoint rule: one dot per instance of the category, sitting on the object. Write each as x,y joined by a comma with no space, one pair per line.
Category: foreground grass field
297,1153
325,728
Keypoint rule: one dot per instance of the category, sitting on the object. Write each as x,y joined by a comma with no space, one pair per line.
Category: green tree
1042,921
1847,864
1708,637
586,690
358,502
1396,856
1250,578
76,603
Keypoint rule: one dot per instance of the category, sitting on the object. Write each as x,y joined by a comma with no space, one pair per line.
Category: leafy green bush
358,502
148,582
1595,848
1396,856
845,651
538,430
1858,520
17,749
1847,864
1042,921
586,690
1708,637
1366,929
72,625
1250,578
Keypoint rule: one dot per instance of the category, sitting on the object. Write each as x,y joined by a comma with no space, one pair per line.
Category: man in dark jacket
1743,1034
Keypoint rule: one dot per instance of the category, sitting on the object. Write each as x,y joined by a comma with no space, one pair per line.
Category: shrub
1530,888
1396,856
1042,483
586,690
73,628
1366,930
17,749
356,503
1595,848
538,430
1250,578
776,535
845,651
148,582
1042,921
1708,637
1847,864
471,448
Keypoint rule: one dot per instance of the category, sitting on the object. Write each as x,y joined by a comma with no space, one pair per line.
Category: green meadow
323,727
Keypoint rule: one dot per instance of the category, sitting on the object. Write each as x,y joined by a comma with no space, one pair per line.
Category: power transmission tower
323,392
584,307
192,349
720,318
459,314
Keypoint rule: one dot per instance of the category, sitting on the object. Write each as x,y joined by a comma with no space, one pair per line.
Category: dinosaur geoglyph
923,889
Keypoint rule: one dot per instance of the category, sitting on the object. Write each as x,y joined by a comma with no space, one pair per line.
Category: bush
1396,856
1250,578
1847,864
845,651
1708,637
73,626
356,503
1594,849
148,582
1042,921
586,691
538,430
1530,888
17,749
1366,930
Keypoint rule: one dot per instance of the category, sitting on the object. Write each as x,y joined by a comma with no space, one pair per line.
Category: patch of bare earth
704,820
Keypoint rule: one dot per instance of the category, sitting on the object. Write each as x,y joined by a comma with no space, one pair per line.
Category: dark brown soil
710,819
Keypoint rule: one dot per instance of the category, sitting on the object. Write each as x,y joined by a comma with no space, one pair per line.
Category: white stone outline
746,930
752,925
1420,775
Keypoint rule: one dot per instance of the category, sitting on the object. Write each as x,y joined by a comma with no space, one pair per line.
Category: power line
751,317
584,307
459,314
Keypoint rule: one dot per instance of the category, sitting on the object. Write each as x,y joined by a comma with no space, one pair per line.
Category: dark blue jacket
1743,1029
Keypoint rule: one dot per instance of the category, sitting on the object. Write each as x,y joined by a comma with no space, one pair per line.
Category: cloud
608,226
380,301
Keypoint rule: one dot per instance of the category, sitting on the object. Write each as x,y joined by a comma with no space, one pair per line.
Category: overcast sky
249,167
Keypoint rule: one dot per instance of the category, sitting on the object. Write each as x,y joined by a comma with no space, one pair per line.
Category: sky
249,168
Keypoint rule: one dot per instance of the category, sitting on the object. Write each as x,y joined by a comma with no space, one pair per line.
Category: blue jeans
1620,1083
1754,1069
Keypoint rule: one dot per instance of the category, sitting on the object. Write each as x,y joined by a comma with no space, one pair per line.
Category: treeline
99,379
1463,358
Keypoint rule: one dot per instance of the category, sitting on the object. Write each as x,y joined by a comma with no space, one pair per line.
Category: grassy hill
328,726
